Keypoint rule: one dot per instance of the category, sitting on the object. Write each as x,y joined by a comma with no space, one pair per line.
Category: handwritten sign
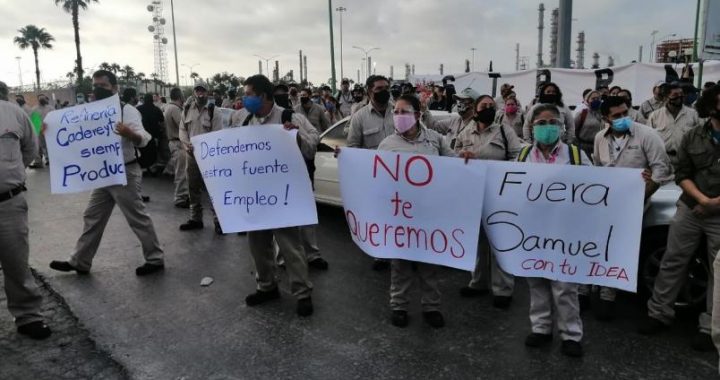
256,177
412,207
85,150
567,223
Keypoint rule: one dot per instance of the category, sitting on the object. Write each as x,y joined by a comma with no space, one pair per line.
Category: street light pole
19,72
177,70
190,67
652,45
341,10
332,48
473,59
267,63
366,55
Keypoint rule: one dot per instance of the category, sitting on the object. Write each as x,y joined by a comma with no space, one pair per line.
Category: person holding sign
128,198
260,108
487,140
546,295
17,149
413,137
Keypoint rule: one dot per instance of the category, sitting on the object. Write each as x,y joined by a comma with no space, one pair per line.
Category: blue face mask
252,104
715,134
595,104
546,134
622,125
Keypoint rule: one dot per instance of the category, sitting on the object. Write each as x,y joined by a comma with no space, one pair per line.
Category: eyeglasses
547,122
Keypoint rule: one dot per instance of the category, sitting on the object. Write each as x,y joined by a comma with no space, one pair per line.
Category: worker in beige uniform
635,115
697,217
674,120
128,197
372,124
656,102
17,149
198,118
42,109
413,137
178,156
626,144
486,140
549,93
259,109
315,113
359,99
588,123
511,116
452,126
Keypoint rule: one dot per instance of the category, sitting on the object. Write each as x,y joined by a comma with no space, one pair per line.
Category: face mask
252,104
511,109
382,97
293,93
330,107
546,134
283,100
404,122
395,94
595,104
548,98
622,124
316,100
20,102
101,93
201,100
358,98
44,102
676,102
462,108
486,116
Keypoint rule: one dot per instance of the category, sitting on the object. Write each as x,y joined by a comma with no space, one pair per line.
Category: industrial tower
157,28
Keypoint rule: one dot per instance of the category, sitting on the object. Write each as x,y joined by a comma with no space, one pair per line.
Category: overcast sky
223,35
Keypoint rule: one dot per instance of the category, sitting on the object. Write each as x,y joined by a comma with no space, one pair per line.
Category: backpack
573,150
580,123
210,108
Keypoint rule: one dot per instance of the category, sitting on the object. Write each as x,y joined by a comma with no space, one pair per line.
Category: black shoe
318,263
380,264
651,326
260,297
584,301
147,269
183,204
304,307
64,266
502,302
36,166
538,340
434,319
571,348
702,342
37,330
218,229
242,233
145,198
191,225
399,318
469,292
605,310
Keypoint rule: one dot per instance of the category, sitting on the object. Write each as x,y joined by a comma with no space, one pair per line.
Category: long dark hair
559,93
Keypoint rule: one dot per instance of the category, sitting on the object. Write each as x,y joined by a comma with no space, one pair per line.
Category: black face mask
293,93
382,97
395,94
486,116
101,93
358,98
44,102
201,100
548,98
20,102
283,100
676,102
304,100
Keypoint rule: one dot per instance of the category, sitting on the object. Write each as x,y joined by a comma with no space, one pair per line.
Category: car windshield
337,136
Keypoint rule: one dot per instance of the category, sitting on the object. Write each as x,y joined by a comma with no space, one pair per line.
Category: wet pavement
167,326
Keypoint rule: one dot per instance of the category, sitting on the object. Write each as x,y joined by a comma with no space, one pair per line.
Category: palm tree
129,73
115,68
154,77
73,7
36,38
105,66
140,77
70,76
194,77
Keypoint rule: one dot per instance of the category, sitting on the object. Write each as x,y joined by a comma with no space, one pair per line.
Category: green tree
36,38
73,7
128,72
105,66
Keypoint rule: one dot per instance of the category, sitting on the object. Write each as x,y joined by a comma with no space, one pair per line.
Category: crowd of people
674,135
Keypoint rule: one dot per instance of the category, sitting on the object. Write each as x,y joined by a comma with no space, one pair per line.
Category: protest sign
256,178
85,150
411,207
567,223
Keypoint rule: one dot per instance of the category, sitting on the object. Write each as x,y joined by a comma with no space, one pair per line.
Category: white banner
568,223
256,178
412,207
85,150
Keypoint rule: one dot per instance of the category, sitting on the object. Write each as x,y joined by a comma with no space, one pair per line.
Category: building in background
673,51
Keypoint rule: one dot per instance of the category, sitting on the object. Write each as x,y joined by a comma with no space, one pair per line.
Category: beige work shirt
368,127
451,127
173,121
672,129
427,142
358,106
513,122
316,116
489,143
18,145
197,121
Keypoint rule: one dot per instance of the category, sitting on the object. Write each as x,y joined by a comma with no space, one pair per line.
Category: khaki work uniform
316,116
641,148
346,102
673,128
699,162
42,153
431,143
357,106
197,122
369,127
490,144
451,128
128,199
177,165
288,239
585,130
637,116
649,106
513,122
567,119
546,295
17,150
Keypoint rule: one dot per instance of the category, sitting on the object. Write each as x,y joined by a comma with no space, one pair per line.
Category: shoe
64,266
538,340
584,301
36,166
434,319
147,269
191,225
399,318
218,228
380,264
318,263
145,198
304,307
651,326
183,204
571,348
37,330
702,342
469,292
502,302
242,233
605,310
260,297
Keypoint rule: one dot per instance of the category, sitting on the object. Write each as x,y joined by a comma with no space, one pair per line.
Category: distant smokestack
260,67
541,28
611,61
305,77
640,52
441,69
467,65
564,35
412,70
407,71
369,66
301,67
276,74
392,72
554,36
596,61
580,60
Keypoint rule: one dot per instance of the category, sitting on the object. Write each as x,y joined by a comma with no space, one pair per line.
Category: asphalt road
168,327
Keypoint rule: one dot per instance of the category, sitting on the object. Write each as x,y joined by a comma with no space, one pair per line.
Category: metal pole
177,70
473,59
19,72
332,48
342,72
564,34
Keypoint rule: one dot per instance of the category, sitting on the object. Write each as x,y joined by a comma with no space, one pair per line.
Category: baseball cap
467,93
200,85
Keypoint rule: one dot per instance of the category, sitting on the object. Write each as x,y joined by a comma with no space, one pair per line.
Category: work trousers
716,308
177,166
262,249
42,153
100,207
502,283
402,275
547,296
606,294
196,187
